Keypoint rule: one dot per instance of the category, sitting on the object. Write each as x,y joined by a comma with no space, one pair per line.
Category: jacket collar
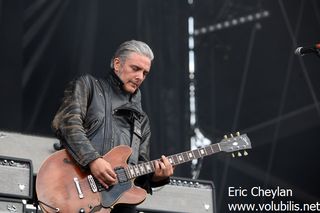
123,99
115,80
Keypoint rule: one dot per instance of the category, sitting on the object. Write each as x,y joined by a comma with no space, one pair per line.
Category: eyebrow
139,67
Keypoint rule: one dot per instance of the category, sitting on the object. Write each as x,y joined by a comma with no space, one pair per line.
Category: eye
135,68
145,73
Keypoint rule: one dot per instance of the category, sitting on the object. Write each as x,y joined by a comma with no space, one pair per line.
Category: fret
199,153
211,147
180,158
127,171
142,169
185,156
136,170
209,150
215,148
148,167
171,160
152,165
132,173
202,152
175,159
196,153
205,150
190,155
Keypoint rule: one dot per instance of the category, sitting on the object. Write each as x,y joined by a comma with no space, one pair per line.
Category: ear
116,64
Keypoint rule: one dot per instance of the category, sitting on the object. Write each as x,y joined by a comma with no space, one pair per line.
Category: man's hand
102,170
163,169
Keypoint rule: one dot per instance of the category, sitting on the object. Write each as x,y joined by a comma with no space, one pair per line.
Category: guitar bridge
77,183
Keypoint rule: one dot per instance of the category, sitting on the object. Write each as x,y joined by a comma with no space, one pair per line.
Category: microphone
301,51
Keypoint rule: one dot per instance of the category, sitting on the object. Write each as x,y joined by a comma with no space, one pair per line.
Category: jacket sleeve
68,122
145,181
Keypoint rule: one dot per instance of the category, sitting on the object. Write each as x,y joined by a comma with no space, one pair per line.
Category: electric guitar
62,186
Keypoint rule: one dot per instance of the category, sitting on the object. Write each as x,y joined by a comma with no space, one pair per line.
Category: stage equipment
33,147
181,195
16,175
11,205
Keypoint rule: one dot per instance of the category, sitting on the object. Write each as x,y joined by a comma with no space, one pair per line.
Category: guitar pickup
121,174
92,183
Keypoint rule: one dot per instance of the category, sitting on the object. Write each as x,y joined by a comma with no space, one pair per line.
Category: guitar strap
136,139
136,136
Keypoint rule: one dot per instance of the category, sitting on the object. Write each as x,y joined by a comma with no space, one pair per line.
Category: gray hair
128,47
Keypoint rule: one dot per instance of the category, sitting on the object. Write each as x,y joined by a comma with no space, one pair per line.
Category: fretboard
134,171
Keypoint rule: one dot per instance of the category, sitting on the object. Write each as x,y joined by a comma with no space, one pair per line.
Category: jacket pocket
93,127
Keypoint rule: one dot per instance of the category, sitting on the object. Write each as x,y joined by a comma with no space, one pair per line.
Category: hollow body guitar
62,186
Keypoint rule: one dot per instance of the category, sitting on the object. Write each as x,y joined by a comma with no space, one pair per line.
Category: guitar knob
231,135
238,133
245,153
239,154
225,137
233,155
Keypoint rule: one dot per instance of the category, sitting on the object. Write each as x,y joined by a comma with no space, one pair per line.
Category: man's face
132,71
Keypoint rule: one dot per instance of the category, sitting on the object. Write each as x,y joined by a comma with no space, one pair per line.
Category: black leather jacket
96,115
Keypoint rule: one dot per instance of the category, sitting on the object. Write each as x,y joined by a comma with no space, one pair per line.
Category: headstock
235,143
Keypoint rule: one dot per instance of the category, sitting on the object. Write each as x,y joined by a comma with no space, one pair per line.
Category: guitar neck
134,171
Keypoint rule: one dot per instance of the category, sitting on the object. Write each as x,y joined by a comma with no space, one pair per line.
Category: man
99,114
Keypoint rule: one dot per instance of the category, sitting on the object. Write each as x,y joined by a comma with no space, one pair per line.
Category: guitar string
85,183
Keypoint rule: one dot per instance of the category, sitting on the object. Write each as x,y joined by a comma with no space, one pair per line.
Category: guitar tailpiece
51,207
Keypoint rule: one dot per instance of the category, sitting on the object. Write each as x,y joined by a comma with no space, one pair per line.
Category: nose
140,76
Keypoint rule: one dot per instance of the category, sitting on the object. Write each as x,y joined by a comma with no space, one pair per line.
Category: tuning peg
225,137
245,153
233,155
239,154
238,133
231,135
